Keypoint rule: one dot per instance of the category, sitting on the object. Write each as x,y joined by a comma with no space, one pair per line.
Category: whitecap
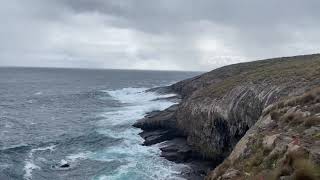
137,103
29,162
135,95
38,93
78,156
28,168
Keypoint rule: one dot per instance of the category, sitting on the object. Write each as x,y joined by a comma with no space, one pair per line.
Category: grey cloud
235,13
182,34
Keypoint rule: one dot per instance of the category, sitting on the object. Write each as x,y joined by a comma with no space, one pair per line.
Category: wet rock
175,99
158,120
176,150
162,90
151,114
198,169
157,136
65,165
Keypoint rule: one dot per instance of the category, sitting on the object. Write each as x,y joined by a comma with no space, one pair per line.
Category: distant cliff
219,107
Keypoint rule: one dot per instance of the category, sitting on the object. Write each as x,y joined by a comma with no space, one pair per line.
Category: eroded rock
269,141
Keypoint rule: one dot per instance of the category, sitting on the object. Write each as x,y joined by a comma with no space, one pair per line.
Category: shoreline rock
158,119
159,127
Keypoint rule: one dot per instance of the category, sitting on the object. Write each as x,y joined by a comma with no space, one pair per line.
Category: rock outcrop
219,107
160,119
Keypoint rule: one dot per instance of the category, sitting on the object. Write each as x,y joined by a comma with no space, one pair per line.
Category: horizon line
88,68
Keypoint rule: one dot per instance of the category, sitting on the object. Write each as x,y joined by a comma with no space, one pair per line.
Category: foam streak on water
137,161
29,163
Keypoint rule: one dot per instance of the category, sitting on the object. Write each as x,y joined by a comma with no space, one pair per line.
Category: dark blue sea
83,118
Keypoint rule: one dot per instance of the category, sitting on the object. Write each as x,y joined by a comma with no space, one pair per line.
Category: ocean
76,124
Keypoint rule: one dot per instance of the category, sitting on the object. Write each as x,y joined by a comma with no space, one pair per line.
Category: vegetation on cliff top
274,72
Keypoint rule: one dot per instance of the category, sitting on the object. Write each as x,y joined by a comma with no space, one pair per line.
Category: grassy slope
274,71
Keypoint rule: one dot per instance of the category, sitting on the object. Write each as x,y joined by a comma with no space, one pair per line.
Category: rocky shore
220,108
160,127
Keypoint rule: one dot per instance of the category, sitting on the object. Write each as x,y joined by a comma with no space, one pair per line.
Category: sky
155,34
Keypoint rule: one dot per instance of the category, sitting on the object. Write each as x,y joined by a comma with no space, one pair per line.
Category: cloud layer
149,34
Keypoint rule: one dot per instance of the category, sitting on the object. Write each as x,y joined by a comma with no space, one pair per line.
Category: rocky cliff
226,102
219,107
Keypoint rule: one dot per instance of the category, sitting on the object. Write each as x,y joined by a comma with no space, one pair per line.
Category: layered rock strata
219,107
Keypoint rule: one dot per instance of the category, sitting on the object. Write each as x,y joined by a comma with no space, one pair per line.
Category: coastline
173,143
159,127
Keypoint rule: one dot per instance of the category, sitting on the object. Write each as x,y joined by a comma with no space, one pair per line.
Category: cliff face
219,107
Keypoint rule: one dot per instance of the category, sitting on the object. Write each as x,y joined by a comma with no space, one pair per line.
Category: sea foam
138,162
29,163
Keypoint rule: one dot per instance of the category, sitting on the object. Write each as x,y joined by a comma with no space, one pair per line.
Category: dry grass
310,97
275,115
311,121
305,170
271,72
317,136
308,101
298,166
293,119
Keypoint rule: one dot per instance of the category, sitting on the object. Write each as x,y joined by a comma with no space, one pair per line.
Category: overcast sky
155,34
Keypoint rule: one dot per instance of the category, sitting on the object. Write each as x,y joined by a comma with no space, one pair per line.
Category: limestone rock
269,141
